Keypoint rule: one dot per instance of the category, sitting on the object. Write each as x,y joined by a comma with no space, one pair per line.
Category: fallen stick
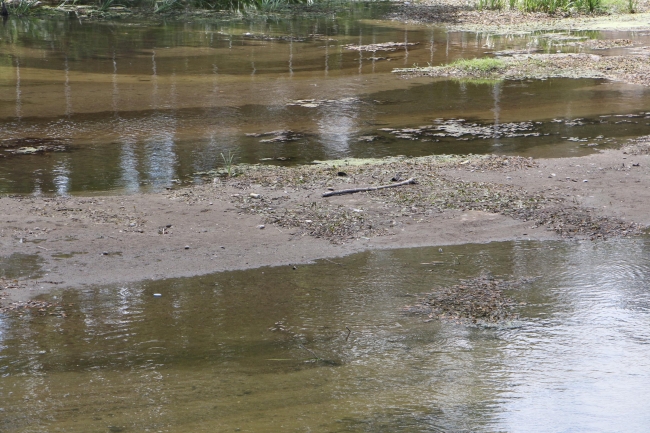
371,188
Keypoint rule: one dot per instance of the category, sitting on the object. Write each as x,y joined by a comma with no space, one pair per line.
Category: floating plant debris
459,128
476,300
279,136
386,46
31,146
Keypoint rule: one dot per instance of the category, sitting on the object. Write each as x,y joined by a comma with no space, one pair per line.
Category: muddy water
132,106
268,349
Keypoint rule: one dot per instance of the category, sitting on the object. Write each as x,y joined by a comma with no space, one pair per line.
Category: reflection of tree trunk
19,104
496,94
3,10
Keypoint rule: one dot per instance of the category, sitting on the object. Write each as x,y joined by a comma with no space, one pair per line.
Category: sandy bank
270,216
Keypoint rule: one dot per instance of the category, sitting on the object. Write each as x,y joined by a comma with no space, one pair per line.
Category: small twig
371,188
333,262
310,351
43,248
349,332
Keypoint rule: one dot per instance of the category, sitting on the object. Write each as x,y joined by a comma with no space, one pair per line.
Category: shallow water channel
127,106
268,349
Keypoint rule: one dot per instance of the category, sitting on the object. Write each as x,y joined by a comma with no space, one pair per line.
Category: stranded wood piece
372,188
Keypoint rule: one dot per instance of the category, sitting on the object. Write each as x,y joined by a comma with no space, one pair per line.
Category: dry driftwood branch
371,188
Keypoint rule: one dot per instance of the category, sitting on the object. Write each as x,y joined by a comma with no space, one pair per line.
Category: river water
236,351
139,106
145,105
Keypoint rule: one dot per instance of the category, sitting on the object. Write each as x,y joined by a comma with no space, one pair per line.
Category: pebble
254,195
585,180
187,247
261,226
157,295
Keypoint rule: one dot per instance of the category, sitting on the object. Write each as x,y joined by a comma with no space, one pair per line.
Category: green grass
621,6
552,6
104,5
492,4
21,7
484,65
228,162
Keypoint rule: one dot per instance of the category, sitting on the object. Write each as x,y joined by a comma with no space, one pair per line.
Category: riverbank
461,15
272,216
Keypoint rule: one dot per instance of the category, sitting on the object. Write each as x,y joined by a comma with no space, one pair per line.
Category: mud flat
277,216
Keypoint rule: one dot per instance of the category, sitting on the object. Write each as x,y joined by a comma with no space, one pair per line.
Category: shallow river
268,349
137,106
131,106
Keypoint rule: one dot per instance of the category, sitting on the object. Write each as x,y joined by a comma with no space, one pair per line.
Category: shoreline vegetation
447,12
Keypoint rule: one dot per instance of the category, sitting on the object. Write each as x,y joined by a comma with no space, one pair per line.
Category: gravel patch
638,146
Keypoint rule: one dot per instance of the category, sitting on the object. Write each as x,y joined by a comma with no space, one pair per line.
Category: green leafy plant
486,64
22,7
165,6
490,4
228,162
105,5
552,6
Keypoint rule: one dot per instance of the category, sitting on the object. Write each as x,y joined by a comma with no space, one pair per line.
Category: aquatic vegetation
105,5
165,6
477,300
228,162
486,64
22,7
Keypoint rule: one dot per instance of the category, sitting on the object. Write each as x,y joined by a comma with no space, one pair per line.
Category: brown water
236,351
142,106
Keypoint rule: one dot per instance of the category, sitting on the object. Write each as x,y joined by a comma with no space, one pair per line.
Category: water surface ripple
140,106
268,349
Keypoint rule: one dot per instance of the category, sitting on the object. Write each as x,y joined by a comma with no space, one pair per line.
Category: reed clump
548,6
